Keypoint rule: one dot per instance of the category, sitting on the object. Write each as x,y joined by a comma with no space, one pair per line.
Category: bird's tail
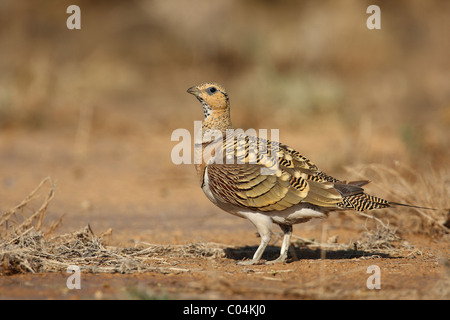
354,197
362,202
410,206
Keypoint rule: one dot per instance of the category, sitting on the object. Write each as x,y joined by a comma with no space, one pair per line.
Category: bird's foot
250,262
280,259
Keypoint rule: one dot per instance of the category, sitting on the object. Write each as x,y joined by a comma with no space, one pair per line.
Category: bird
268,184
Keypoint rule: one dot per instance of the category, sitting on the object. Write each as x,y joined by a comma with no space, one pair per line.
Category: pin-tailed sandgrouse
295,192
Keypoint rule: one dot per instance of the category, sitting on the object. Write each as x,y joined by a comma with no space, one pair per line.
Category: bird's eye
211,90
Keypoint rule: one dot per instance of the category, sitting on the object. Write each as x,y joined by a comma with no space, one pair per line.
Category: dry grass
403,184
25,247
9,219
33,252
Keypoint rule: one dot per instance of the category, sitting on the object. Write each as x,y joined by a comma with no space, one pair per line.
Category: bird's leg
287,230
264,226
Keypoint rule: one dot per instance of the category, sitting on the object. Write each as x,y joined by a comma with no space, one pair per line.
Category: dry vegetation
407,186
25,247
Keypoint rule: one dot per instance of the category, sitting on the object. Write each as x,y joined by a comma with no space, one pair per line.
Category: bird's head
212,96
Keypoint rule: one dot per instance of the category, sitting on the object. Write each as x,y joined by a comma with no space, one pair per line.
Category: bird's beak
194,90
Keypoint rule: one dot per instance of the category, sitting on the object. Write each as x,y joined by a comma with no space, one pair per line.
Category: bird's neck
218,120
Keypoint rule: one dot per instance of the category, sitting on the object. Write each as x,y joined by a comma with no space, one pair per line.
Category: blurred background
95,108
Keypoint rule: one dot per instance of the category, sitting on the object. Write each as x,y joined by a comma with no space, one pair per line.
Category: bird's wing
242,178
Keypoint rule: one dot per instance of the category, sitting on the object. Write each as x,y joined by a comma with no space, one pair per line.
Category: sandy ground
116,186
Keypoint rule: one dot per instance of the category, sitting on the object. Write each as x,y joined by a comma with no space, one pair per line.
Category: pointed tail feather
364,201
410,205
354,197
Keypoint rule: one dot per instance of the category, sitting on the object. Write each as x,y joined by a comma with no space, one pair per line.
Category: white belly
296,215
206,188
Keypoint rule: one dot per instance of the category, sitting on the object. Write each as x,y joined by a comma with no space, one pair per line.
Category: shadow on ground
300,253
